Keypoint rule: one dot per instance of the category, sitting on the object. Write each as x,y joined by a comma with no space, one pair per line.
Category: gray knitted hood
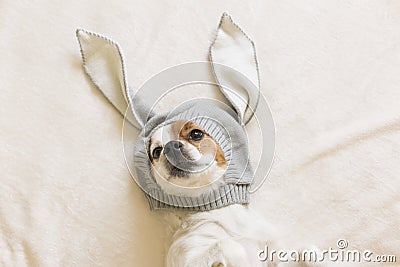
223,126
233,67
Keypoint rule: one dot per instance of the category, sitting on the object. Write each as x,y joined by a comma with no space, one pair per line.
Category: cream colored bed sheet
329,69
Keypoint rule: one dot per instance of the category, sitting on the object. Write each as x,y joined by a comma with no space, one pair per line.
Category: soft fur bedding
329,69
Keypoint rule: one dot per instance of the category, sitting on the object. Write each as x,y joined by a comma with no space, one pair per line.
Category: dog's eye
196,135
157,152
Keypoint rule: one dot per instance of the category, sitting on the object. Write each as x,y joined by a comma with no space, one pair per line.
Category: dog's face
183,154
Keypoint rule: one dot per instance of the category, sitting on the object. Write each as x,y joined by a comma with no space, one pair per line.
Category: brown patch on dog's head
205,145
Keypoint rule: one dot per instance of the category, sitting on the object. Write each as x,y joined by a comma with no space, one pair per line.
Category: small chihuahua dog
186,160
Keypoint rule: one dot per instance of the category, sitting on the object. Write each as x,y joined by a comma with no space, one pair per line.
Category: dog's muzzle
176,156
179,158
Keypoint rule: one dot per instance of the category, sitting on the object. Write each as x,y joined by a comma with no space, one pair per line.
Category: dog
186,160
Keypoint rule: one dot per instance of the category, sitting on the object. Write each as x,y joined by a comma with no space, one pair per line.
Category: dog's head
183,154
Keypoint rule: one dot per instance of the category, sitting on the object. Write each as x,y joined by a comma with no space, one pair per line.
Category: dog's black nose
172,146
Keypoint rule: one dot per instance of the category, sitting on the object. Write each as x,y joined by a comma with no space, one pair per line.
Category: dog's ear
104,64
235,67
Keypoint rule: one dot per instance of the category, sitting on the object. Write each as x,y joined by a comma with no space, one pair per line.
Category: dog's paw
237,253
218,264
229,253
223,253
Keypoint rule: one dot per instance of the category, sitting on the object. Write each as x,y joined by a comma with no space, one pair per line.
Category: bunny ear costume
233,67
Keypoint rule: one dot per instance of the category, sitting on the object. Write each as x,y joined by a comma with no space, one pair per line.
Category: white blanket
329,69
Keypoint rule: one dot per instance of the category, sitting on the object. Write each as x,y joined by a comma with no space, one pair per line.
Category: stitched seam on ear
225,14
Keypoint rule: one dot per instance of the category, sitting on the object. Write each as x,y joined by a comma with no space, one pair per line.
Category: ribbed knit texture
222,125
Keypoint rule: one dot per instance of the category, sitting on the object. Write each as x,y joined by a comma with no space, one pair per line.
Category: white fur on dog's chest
230,235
